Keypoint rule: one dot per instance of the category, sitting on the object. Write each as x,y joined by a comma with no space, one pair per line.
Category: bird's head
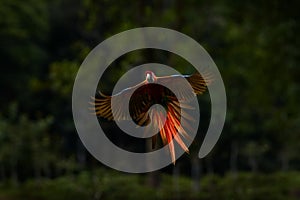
150,77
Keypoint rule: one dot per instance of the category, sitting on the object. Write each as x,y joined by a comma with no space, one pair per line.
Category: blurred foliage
62,75
103,184
255,45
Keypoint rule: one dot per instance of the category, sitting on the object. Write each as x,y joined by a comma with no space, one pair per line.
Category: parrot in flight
149,92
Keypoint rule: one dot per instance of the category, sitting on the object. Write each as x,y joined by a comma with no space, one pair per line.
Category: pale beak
148,76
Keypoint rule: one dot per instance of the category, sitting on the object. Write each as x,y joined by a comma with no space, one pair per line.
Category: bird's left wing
197,81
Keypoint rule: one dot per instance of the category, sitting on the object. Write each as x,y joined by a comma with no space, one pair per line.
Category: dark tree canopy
254,44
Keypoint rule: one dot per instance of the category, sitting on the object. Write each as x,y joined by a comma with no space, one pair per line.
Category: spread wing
146,95
196,80
102,103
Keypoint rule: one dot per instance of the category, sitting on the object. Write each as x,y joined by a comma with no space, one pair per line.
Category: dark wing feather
196,80
102,103
198,83
143,99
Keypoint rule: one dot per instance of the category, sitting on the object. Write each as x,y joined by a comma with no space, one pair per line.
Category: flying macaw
150,92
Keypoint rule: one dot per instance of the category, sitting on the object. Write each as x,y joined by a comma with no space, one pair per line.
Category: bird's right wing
102,104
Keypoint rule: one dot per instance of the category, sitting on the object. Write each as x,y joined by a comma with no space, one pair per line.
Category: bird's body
148,93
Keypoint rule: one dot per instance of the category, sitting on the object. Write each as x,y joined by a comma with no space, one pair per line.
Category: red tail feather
171,129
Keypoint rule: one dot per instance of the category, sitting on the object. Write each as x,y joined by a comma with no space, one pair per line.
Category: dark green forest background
255,45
